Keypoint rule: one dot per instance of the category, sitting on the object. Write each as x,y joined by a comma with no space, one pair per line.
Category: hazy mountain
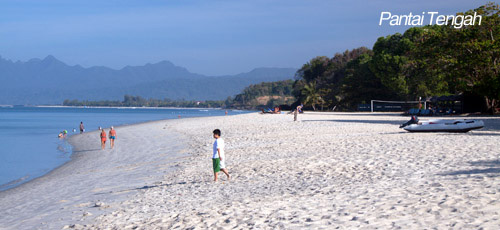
50,81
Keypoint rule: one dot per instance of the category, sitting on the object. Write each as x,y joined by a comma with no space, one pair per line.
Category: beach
326,171
84,187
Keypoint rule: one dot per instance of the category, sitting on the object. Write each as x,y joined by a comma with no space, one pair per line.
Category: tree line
252,97
424,61
138,101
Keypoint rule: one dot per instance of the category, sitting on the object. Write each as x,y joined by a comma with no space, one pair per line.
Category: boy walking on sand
218,155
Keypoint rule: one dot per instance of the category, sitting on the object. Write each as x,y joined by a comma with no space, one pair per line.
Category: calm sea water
29,146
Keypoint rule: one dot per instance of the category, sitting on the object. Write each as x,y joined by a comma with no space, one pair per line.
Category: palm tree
312,97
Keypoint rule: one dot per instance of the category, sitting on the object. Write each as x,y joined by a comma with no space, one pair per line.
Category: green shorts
216,164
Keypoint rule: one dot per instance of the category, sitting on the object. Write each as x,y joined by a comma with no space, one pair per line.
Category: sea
29,142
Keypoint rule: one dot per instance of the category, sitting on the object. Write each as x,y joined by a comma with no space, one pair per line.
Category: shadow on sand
145,187
490,124
490,168
165,185
479,133
361,114
361,121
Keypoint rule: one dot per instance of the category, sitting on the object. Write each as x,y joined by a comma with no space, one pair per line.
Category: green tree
312,96
479,62
361,85
389,61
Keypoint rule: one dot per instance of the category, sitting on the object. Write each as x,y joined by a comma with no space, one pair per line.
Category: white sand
347,170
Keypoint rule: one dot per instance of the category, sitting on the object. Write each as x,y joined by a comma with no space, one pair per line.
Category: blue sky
207,37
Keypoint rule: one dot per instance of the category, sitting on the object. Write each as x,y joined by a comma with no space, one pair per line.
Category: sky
210,37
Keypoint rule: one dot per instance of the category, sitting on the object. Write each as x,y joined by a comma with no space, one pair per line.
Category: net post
371,105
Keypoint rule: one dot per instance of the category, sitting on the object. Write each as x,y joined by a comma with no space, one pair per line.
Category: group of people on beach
277,110
64,133
218,156
112,135
112,138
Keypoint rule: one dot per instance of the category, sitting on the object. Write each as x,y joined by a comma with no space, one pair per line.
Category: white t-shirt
218,144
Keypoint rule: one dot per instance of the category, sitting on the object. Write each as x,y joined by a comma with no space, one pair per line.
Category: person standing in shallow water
112,137
103,139
218,157
82,128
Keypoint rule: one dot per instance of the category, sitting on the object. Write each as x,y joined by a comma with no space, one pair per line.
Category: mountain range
50,81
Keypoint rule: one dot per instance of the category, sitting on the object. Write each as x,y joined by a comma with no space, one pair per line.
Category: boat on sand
445,125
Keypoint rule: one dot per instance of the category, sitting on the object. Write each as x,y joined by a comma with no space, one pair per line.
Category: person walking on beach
297,110
112,137
82,128
218,155
103,139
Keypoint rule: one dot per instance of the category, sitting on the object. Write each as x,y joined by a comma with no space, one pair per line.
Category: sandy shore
94,179
346,170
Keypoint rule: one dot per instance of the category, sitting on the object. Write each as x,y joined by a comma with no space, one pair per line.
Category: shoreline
23,179
69,140
119,107
83,160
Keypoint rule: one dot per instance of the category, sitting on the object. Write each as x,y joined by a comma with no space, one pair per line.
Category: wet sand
94,179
